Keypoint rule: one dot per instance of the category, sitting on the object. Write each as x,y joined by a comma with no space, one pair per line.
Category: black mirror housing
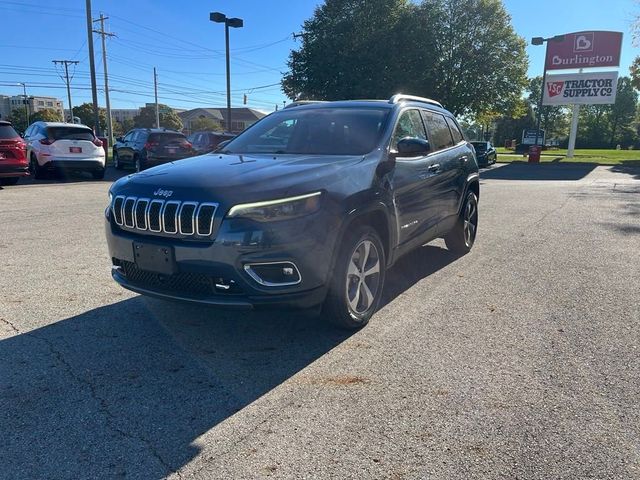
413,147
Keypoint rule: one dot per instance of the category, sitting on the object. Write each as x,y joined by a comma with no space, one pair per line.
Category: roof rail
297,103
398,97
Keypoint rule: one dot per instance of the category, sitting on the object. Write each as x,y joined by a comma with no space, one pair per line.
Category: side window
438,131
409,125
455,131
128,137
28,132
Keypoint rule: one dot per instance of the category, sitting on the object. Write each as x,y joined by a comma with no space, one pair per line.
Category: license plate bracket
155,258
75,149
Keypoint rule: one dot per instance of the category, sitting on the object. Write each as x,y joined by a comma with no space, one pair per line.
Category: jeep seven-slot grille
164,216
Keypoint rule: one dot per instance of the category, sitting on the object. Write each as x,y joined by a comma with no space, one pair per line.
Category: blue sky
188,49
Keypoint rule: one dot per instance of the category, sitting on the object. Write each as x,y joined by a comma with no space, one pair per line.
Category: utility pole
92,68
66,64
104,34
155,90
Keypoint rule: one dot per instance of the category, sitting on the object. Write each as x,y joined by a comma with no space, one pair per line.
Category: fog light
274,274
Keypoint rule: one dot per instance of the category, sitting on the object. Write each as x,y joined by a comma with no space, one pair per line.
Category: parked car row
46,147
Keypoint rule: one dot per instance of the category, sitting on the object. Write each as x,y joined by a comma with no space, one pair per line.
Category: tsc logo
163,193
583,43
554,88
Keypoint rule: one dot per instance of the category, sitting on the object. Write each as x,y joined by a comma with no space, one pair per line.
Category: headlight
281,209
110,198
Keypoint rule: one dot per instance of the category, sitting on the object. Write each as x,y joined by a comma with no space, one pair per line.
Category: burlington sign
584,50
597,88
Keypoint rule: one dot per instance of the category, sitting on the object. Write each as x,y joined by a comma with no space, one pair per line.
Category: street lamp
25,104
218,17
541,41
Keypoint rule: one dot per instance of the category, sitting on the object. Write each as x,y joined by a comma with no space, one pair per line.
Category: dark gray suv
309,206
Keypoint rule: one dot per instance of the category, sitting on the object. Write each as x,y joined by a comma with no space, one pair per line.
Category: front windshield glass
317,131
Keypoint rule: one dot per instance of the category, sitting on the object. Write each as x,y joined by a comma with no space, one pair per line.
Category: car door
125,153
449,160
414,182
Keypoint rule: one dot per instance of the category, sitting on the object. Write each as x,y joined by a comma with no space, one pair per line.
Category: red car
13,155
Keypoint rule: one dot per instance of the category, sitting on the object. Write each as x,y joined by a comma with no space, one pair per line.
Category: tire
347,304
35,168
462,236
9,181
98,174
140,166
116,161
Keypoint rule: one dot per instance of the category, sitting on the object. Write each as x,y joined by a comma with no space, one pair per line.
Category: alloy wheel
363,277
470,222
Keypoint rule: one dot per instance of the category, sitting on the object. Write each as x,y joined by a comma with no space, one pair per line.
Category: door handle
434,168
464,159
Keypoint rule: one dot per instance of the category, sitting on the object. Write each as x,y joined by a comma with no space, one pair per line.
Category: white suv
53,145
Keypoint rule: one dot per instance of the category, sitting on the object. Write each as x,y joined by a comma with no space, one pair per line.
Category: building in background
122,114
36,103
241,118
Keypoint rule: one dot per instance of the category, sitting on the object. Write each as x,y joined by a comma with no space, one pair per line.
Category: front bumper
214,273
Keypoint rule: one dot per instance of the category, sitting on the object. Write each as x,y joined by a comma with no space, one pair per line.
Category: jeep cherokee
309,206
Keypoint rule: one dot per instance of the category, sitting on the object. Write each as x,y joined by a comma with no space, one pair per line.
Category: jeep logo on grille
163,193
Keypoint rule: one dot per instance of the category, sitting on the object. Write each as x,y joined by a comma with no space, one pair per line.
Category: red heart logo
554,88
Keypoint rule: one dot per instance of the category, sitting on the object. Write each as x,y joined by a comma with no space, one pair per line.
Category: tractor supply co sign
597,88
584,50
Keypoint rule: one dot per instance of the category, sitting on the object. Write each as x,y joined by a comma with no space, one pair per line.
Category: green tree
208,124
85,113
510,127
463,53
623,112
18,118
168,118
45,115
127,124
555,118
635,73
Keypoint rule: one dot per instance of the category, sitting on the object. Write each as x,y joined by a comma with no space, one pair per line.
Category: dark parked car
314,215
205,142
142,148
13,155
485,153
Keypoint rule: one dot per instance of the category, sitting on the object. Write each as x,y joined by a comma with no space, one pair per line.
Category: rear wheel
116,161
9,181
462,237
140,165
98,174
35,169
358,280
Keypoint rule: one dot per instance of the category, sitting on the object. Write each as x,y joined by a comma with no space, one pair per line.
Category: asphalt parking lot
519,360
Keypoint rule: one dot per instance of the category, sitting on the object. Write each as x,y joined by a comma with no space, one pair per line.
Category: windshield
317,131
70,133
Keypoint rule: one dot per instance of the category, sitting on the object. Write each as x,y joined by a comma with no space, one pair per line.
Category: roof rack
399,97
297,103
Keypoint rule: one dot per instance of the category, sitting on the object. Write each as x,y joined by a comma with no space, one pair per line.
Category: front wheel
358,280
462,236
140,166
116,161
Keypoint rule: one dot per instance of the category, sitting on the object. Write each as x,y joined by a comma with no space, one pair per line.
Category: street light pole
218,17
540,41
25,103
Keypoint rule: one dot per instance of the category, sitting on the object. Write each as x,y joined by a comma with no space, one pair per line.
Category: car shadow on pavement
111,175
116,392
539,171
628,167
413,267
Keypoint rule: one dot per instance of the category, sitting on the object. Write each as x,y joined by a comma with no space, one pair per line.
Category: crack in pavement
11,325
104,407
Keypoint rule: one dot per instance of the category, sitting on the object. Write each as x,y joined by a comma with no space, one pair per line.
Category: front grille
184,283
164,216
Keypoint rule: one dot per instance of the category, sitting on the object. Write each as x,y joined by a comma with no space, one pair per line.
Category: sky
187,49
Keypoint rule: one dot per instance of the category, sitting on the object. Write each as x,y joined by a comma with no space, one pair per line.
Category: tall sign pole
104,34
155,91
573,133
92,68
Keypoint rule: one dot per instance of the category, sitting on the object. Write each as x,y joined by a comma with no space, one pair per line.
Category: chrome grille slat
170,217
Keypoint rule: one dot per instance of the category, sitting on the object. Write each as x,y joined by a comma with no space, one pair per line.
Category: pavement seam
104,408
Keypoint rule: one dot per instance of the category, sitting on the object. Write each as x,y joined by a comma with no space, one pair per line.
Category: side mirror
413,147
